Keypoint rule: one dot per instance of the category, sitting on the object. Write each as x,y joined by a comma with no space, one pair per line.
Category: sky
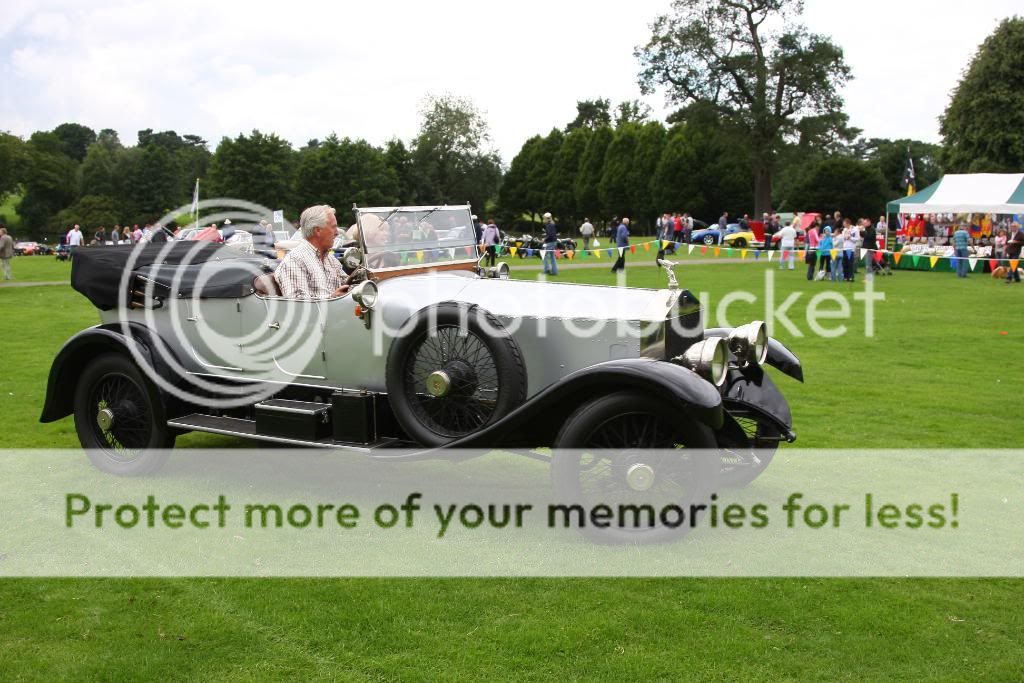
306,69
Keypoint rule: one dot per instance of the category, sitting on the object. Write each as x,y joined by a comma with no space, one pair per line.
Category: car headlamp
365,294
708,358
749,343
499,272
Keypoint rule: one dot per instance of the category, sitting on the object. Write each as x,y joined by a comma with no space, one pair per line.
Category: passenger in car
310,270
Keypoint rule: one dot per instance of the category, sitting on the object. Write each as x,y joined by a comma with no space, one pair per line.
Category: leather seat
266,285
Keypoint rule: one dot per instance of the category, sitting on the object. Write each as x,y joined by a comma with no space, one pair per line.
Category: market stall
984,203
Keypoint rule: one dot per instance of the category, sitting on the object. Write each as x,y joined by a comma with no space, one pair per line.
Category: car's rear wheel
453,371
739,242
630,449
119,418
708,239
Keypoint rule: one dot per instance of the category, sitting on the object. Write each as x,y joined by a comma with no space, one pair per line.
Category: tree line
759,126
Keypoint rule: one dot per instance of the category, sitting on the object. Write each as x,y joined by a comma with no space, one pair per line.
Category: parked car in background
25,248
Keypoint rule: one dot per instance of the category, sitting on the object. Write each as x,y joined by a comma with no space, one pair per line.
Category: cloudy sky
306,69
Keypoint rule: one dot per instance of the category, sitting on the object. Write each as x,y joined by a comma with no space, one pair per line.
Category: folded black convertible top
96,271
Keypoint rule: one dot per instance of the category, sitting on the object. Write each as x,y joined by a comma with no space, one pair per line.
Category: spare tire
452,370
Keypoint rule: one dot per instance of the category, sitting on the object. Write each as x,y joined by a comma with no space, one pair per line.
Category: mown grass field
941,371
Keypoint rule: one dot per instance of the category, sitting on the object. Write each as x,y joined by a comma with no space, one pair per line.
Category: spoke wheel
453,372
744,463
627,449
119,418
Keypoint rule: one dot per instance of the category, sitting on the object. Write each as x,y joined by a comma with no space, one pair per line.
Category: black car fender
778,355
538,421
87,344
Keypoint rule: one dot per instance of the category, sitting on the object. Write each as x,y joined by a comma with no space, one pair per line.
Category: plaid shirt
304,275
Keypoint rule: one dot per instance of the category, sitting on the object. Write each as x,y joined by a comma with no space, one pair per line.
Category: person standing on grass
622,243
787,244
6,252
1013,247
851,244
74,240
961,238
811,256
587,232
825,250
489,241
550,242
870,245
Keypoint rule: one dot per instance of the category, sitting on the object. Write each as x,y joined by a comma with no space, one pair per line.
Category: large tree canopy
983,126
749,60
452,157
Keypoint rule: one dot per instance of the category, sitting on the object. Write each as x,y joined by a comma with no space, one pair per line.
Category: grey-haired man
310,271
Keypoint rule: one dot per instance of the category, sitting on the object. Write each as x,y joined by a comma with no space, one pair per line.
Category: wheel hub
640,477
438,383
105,419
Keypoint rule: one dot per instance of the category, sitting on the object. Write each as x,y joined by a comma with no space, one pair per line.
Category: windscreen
394,238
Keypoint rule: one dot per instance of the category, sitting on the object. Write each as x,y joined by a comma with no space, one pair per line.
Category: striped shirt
304,275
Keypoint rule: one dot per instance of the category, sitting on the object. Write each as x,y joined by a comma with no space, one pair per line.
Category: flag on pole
909,180
195,199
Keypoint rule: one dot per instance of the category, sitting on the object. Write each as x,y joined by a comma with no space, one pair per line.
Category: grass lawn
939,372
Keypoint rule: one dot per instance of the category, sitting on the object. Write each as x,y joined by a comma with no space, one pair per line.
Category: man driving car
310,271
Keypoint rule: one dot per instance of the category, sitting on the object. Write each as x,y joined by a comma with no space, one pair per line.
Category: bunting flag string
878,255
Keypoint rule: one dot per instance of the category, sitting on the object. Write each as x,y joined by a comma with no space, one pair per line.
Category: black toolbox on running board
300,420
355,416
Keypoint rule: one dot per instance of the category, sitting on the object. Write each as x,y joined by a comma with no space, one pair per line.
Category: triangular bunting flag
690,251
770,254
703,251
878,257
558,253
632,249
419,256
451,253
915,258
664,244
469,251
622,250
757,255
585,253
611,253
785,255
743,253
935,259
864,255
647,246
571,254
896,256
1014,263
833,254
513,250
717,251
993,264
972,262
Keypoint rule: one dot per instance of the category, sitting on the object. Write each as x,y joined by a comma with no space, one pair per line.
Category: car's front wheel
739,242
452,371
708,240
119,417
630,449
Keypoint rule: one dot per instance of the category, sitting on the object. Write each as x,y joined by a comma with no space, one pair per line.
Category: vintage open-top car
427,350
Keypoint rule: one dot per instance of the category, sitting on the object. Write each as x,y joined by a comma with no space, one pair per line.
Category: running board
235,426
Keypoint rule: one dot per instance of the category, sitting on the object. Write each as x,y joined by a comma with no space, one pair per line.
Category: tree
75,139
512,201
100,173
14,157
398,159
614,188
590,114
703,170
50,182
854,187
153,186
650,143
983,126
890,158
452,158
631,111
588,200
561,190
91,211
259,168
539,174
764,81
341,172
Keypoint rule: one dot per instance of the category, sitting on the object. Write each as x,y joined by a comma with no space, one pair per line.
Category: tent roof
966,193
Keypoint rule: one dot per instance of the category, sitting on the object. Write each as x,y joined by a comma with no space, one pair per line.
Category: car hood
526,298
